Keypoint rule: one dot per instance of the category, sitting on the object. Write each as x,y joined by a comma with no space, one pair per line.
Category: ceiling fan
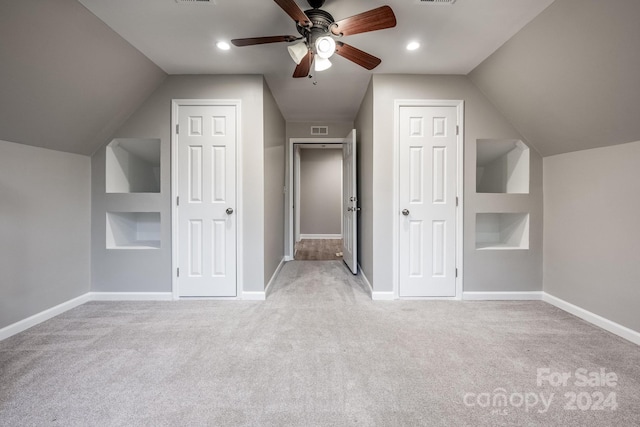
320,34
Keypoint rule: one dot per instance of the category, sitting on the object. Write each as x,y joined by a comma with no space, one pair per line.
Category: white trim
290,189
366,281
320,236
254,296
288,258
459,104
131,296
274,276
594,319
296,192
43,316
503,296
175,104
383,296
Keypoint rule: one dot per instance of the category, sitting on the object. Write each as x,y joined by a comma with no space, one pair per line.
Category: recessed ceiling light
413,46
223,45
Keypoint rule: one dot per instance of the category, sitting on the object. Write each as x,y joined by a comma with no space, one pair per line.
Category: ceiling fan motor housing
321,21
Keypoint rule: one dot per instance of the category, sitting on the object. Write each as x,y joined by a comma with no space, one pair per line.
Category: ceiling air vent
439,2
319,130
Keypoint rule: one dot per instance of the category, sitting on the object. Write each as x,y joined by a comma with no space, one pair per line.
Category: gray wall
513,270
274,147
68,80
320,191
592,232
364,158
44,229
150,270
569,80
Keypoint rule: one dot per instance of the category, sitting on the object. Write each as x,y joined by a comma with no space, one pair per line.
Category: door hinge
177,129
178,201
457,201
456,272
178,272
457,130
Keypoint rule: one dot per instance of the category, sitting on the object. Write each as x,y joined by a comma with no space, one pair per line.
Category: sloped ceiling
570,80
67,81
181,38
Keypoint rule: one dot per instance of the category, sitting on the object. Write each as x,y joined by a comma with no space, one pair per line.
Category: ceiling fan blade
373,20
262,40
302,70
358,56
294,11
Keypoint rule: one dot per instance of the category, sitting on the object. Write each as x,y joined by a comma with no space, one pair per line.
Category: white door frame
459,104
175,107
291,187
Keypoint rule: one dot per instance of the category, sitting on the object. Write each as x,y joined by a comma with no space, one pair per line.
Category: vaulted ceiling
570,80
564,72
67,81
181,37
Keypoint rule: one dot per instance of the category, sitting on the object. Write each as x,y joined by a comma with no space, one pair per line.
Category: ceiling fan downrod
316,4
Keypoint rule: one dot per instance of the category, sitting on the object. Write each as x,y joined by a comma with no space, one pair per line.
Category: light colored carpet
318,352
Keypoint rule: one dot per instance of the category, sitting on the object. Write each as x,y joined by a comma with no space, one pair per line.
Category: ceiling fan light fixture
298,51
223,46
322,64
325,47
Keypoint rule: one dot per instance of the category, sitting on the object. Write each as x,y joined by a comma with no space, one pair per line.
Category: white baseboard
366,281
383,296
376,296
321,236
131,296
254,296
288,258
275,275
502,296
595,319
47,314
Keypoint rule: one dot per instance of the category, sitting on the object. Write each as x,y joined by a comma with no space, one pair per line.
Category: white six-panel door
206,217
349,203
427,231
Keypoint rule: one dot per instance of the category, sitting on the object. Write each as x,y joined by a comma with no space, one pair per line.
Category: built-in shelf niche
502,231
502,166
133,166
133,230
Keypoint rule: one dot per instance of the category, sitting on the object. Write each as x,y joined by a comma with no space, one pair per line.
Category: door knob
229,211
405,212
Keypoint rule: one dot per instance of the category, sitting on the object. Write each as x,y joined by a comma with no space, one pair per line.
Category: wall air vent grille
434,2
319,130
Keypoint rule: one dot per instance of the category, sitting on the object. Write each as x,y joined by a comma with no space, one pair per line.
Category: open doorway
348,195
318,201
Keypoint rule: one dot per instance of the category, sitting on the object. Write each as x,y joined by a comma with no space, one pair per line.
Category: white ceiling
180,38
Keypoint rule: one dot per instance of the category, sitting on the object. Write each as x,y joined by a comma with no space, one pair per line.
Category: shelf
133,230
502,231
133,166
502,166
